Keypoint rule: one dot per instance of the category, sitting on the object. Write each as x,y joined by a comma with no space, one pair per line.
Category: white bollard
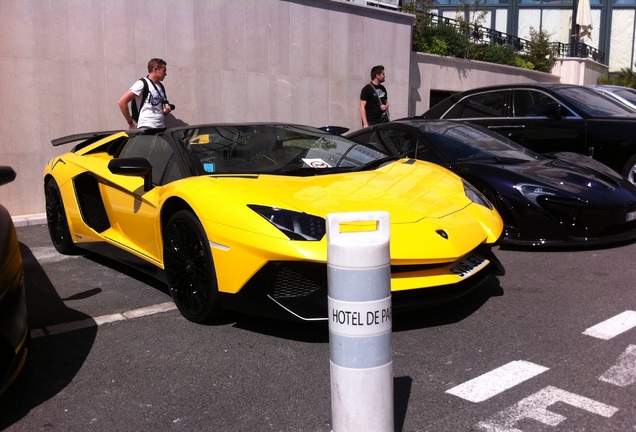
359,308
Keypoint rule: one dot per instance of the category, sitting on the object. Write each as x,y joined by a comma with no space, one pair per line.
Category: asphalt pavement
550,346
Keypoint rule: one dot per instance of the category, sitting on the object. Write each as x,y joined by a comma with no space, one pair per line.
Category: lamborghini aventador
232,216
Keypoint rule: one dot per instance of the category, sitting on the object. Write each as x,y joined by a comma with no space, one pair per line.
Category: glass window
593,103
157,151
553,2
530,103
489,104
397,143
272,148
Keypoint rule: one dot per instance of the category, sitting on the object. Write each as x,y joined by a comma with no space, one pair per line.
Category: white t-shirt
151,114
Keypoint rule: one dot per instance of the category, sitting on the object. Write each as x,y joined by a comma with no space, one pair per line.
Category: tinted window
157,151
531,103
397,143
489,104
460,141
593,103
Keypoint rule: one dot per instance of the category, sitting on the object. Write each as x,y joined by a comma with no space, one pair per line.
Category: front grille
294,280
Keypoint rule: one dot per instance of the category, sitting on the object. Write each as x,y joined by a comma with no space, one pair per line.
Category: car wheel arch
172,206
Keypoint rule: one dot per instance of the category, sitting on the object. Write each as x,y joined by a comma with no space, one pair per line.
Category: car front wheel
56,220
190,269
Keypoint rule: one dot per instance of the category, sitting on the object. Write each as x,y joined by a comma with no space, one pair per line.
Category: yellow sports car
233,216
15,338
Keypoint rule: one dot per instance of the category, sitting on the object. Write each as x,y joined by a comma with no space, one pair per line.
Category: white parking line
104,319
496,381
614,326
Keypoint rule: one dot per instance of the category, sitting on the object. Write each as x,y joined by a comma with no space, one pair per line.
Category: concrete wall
434,72
65,63
579,71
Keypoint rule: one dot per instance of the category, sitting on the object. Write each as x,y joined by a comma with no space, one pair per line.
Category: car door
522,115
545,124
133,211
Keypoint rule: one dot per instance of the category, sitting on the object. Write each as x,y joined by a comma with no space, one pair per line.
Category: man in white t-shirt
155,106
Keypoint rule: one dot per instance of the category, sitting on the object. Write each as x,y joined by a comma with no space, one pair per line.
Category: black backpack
144,95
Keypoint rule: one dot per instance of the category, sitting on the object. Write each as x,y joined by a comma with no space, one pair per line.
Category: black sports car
14,332
552,117
563,199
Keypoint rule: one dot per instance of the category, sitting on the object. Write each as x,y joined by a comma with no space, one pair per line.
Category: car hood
575,174
409,190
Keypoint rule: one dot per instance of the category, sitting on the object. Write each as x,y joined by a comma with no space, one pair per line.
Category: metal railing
479,34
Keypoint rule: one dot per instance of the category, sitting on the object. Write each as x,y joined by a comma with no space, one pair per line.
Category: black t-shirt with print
370,94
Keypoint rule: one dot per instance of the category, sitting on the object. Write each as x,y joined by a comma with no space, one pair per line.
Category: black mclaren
553,200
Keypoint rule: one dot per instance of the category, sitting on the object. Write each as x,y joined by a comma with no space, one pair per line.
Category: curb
28,220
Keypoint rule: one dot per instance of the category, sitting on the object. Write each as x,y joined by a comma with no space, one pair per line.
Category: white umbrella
584,19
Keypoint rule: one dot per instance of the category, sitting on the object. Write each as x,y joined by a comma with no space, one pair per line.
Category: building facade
613,21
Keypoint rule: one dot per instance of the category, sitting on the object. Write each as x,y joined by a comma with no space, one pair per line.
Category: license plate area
468,265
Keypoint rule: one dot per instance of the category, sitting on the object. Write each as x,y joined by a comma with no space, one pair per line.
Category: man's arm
123,106
363,113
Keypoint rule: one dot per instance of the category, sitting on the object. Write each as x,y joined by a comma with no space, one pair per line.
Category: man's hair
376,70
155,62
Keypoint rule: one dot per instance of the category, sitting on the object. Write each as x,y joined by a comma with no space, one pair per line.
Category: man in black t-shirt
374,103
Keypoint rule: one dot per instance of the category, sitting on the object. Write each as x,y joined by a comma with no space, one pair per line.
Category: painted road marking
496,381
623,373
104,319
614,326
535,407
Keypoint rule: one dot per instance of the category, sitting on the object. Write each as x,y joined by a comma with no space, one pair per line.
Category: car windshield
594,103
273,149
463,141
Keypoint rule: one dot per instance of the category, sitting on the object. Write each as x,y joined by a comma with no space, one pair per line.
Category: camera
172,107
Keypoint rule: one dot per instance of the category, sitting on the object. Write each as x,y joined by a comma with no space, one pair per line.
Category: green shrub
540,53
523,63
500,54
624,77
442,40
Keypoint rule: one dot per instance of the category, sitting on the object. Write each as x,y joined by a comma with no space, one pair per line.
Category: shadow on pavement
448,313
318,331
54,359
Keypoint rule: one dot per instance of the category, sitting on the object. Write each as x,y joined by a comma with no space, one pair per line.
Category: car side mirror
553,110
134,167
7,175
336,130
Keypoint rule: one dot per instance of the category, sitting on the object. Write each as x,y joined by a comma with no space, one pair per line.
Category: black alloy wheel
190,269
56,220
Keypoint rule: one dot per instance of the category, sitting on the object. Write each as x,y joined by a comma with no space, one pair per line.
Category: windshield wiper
309,171
377,163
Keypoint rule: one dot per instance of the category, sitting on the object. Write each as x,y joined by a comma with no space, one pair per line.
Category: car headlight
533,192
475,196
295,225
